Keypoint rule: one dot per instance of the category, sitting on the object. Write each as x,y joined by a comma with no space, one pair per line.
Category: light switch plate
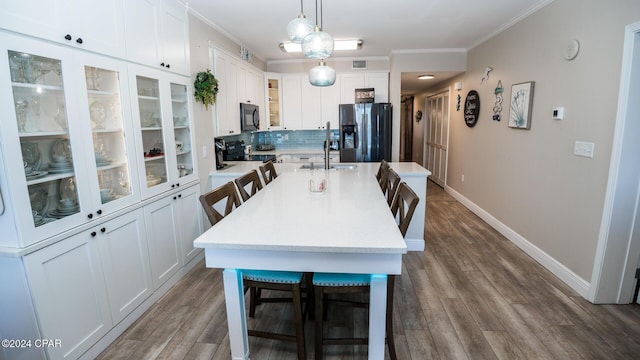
582,148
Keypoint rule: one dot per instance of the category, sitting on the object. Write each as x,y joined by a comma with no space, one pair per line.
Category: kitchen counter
412,173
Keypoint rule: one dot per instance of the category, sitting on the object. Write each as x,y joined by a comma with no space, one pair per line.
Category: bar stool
252,279
403,207
268,171
381,176
251,178
391,185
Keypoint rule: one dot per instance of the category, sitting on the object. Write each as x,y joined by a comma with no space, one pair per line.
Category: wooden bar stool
403,207
268,171
381,176
249,179
259,279
391,185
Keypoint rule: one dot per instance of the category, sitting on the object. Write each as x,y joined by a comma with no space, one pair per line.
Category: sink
331,167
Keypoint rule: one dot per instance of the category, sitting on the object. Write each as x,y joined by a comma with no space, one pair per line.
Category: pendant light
299,27
318,44
322,75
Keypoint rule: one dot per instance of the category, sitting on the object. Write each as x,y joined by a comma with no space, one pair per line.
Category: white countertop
237,168
350,217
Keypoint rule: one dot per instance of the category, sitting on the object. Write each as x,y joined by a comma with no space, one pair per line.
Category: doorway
617,256
436,136
406,128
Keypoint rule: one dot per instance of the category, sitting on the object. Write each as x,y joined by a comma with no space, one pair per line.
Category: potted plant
205,88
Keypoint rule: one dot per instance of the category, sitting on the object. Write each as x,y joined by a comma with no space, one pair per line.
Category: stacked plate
101,160
107,195
65,208
35,174
60,164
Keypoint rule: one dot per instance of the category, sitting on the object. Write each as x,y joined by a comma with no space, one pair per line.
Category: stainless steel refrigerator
365,132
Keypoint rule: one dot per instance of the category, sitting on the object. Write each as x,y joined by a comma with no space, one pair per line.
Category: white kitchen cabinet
292,101
163,127
228,104
311,98
87,283
329,105
379,81
70,295
161,219
157,34
63,178
190,221
273,101
125,262
97,26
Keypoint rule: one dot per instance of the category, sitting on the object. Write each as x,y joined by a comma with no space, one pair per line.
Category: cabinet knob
173,186
99,212
162,64
103,230
168,66
79,40
93,233
177,184
175,198
90,216
180,196
67,37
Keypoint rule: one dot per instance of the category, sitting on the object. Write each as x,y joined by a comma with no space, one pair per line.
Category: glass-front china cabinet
62,177
164,130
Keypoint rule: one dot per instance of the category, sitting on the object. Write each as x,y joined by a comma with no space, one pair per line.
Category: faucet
327,147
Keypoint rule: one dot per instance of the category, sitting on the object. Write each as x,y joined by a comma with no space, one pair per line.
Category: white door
437,136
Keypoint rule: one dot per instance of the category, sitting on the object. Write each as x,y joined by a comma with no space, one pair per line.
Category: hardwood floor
471,294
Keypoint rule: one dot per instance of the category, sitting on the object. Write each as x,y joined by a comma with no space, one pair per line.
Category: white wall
529,180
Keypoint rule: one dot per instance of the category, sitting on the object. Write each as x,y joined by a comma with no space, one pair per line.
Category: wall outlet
462,178
582,148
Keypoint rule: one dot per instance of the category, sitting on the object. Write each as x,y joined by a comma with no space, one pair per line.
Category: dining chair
381,176
268,171
402,208
260,279
392,182
249,179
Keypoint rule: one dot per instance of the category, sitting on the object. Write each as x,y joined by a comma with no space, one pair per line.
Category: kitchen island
413,174
347,228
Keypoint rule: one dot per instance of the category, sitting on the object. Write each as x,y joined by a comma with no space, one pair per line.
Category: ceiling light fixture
339,45
426,77
322,75
299,27
318,44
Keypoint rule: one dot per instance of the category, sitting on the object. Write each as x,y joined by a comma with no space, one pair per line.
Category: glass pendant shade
299,27
317,45
322,75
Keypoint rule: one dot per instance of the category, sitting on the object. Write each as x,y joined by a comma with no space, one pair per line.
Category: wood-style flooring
471,294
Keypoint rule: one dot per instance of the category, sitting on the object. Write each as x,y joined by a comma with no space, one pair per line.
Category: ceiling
384,26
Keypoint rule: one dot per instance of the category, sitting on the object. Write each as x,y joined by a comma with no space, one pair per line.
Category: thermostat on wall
558,113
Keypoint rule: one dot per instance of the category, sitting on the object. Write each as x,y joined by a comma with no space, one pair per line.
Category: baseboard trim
415,244
570,278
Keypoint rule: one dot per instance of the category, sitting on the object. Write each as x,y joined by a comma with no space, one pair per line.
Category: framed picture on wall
521,105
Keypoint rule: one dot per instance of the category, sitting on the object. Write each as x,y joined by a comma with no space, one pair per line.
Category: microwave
249,117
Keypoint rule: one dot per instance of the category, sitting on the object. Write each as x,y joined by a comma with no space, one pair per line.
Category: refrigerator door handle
365,140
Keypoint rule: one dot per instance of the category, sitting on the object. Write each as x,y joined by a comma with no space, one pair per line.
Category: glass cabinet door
45,147
273,103
108,135
182,132
151,125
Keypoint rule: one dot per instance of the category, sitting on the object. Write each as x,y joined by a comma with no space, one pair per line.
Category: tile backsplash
285,139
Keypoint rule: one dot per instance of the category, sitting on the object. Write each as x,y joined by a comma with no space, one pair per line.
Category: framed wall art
521,105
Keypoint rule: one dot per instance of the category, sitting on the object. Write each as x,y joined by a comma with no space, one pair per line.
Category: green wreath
206,88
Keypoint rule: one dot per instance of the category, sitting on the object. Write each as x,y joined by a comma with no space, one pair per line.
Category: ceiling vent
359,64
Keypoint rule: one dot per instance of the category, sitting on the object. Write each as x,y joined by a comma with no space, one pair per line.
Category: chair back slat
249,179
227,193
404,205
391,187
381,176
268,171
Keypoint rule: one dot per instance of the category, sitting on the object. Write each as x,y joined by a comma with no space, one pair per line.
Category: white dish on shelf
36,175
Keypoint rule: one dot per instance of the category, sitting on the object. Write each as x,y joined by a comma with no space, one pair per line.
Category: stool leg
319,321
389,328
252,301
299,321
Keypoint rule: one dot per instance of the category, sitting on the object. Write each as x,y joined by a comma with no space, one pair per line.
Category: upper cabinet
163,127
273,101
349,82
96,26
157,34
59,177
238,82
